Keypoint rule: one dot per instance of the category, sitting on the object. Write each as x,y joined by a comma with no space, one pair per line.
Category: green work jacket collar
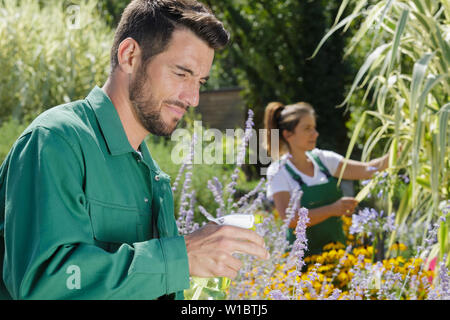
112,127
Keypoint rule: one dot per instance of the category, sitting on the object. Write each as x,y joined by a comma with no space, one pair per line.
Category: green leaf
443,238
418,76
371,59
365,191
372,16
332,31
341,11
398,35
352,143
443,134
419,6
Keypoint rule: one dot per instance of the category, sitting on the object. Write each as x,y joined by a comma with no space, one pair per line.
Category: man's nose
191,95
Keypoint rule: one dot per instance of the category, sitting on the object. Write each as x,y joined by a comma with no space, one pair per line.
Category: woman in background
314,170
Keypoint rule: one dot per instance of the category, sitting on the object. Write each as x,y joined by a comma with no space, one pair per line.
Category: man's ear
128,55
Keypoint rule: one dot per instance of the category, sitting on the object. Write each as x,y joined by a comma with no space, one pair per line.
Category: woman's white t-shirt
279,179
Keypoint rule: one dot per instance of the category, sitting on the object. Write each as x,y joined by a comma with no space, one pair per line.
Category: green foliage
9,132
405,84
113,10
269,51
52,53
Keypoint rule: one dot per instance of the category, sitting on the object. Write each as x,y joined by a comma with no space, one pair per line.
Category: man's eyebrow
189,71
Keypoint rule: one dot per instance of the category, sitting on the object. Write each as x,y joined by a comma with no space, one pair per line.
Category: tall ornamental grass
51,53
405,80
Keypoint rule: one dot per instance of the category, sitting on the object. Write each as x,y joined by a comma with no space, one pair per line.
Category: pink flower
432,267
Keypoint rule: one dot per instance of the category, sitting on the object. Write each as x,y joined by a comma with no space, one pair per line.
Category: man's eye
182,75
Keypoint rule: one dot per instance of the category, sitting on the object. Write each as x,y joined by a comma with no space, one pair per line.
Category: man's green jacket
85,216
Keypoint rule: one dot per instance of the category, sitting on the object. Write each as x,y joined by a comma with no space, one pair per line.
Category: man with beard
86,213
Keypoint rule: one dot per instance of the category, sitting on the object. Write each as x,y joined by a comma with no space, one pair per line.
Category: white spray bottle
246,221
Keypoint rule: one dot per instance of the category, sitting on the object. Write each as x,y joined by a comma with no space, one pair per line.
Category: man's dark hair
151,24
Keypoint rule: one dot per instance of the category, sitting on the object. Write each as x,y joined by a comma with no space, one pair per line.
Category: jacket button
157,178
146,200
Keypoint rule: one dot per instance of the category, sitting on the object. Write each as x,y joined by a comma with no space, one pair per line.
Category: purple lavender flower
245,198
278,295
300,244
380,194
241,153
360,220
187,162
405,178
335,295
372,222
390,223
444,279
216,188
230,188
247,135
205,212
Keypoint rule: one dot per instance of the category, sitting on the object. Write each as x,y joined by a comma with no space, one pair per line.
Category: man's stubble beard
146,110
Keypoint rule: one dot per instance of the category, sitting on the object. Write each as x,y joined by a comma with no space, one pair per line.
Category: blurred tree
113,10
271,44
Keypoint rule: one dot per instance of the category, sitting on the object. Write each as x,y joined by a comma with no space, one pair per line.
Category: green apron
316,196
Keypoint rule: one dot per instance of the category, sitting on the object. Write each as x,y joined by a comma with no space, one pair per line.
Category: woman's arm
344,206
357,170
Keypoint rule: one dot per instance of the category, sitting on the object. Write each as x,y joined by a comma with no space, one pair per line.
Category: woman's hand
357,170
344,206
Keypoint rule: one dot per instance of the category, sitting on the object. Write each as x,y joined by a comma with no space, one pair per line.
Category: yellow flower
398,246
320,259
276,214
343,277
394,247
400,259
333,245
350,261
317,285
359,251
332,254
324,268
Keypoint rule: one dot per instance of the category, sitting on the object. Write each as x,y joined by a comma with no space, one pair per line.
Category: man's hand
210,250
